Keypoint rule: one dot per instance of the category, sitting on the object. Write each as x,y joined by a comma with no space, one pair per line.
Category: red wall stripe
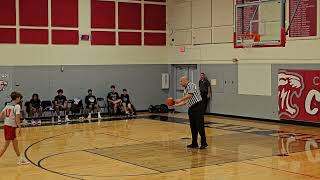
129,38
7,12
155,39
154,17
65,37
102,14
8,36
103,38
33,12
129,16
34,36
64,13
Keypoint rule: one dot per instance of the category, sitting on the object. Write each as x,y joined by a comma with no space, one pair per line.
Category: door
189,71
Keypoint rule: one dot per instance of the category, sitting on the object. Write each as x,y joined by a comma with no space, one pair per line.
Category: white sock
66,116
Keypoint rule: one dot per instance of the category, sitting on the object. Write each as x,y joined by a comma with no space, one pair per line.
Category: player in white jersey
11,115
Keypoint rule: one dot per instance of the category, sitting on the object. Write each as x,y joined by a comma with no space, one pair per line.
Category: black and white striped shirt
194,90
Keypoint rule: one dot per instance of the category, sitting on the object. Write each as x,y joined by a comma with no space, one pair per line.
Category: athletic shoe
192,146
23,161
204,146
33,122
67,119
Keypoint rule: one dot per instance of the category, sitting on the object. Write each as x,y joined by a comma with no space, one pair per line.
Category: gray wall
144,85
5,94
226,99
142,81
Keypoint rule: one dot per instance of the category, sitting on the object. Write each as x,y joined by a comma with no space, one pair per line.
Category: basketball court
154,147
260,57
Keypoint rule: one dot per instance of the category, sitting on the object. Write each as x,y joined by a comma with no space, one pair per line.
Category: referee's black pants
196,118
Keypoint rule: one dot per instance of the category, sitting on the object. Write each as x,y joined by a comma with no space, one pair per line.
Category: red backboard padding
154,17
64,13
8,36
155,39
34,36
7,12
65,37
102,14
103,38
33,12
129,16
130,38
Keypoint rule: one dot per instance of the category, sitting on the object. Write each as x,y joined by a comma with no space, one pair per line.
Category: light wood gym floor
154,147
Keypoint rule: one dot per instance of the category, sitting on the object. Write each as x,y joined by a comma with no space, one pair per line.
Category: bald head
184,81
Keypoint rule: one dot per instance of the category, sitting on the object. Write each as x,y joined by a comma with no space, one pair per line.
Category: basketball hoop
255,27
248,40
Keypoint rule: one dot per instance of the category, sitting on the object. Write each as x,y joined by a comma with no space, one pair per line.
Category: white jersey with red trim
10,112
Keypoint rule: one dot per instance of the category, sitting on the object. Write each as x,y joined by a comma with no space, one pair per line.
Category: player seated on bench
114,101
92,104
126,104
35,108
61,104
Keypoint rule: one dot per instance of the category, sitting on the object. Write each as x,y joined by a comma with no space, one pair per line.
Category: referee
192,99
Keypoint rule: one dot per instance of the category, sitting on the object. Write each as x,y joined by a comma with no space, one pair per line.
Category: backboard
259,23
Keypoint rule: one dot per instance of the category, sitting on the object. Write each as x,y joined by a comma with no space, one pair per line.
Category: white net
247,41
247,45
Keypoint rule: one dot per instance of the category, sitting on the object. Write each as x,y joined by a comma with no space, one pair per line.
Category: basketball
170,101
